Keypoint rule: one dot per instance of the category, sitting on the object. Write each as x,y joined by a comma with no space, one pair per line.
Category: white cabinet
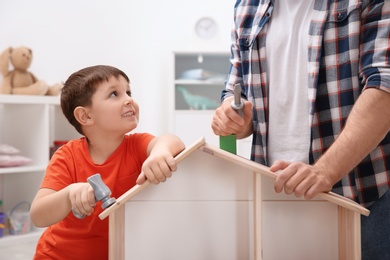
30,124
199,78
198,81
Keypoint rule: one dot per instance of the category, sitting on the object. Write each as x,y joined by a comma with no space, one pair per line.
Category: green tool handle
229,143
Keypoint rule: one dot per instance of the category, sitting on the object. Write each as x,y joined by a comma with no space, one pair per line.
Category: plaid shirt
348,51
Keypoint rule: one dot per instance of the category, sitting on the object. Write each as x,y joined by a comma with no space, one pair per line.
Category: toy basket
19,219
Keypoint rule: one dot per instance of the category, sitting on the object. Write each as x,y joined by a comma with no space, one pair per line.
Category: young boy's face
113,109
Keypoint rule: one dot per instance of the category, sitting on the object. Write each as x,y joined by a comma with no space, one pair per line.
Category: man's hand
227,121
300,178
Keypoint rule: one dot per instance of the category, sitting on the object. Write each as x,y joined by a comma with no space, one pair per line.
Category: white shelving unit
30,124
190,121
201,75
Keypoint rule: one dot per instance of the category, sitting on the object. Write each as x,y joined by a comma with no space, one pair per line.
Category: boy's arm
160,162
50,206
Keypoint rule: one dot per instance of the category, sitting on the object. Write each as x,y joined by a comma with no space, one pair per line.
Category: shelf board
194,111
29,99
198,82
22,169
202,52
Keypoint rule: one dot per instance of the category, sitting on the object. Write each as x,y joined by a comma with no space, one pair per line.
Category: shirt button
339,16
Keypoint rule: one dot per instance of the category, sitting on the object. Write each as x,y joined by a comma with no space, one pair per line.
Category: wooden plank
257,218
349,234
258,168
116,235
121,201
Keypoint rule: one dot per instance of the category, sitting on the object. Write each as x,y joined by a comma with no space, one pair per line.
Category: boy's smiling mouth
128,114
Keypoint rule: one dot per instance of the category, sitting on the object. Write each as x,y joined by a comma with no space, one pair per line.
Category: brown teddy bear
19,80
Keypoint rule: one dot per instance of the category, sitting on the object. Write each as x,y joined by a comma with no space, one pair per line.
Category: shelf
22,169
198,82
205,52
186,112
29,99
30,124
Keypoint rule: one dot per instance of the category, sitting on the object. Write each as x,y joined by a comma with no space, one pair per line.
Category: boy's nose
129,101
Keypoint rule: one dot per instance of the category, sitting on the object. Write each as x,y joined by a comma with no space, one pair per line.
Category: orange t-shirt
87,238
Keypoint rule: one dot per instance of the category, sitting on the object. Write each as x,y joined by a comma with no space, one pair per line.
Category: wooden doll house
221,206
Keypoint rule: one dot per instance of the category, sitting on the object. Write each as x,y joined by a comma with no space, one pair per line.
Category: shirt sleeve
234,75
58,172
140,143
375,45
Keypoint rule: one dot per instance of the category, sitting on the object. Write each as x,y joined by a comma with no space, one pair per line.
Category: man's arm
367,125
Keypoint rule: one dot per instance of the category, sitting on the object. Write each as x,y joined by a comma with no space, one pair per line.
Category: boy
97,101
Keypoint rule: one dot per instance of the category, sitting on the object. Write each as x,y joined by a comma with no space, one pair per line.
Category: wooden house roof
243,162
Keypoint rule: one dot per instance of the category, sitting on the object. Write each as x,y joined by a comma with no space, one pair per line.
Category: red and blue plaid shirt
349,48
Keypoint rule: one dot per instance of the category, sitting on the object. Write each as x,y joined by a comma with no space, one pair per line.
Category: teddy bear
20,80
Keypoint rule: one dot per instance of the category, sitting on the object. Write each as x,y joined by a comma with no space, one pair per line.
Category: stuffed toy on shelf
19,80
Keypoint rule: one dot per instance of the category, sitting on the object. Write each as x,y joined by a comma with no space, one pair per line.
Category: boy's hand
82,198
157,168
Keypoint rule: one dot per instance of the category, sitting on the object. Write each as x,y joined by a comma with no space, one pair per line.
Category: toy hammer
102,192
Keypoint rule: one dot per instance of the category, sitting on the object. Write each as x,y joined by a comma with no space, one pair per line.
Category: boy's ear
82,116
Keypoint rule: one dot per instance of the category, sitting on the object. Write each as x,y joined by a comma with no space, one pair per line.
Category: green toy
197,101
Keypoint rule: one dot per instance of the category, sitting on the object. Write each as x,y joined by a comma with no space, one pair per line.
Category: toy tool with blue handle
102,193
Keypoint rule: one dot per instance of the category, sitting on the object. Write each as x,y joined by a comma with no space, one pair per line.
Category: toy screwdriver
229,142
237,103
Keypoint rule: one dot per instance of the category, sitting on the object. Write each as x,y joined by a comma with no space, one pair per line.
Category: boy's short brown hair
81,85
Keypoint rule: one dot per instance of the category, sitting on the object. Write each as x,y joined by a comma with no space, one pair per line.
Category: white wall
136,36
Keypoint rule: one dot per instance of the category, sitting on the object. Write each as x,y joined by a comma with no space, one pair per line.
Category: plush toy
19,80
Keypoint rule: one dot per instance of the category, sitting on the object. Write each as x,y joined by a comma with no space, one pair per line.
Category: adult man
317,79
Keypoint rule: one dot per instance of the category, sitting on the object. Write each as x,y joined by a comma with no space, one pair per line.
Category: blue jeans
376,230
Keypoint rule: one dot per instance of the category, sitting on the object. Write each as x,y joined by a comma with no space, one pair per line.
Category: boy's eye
113,94
128,93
